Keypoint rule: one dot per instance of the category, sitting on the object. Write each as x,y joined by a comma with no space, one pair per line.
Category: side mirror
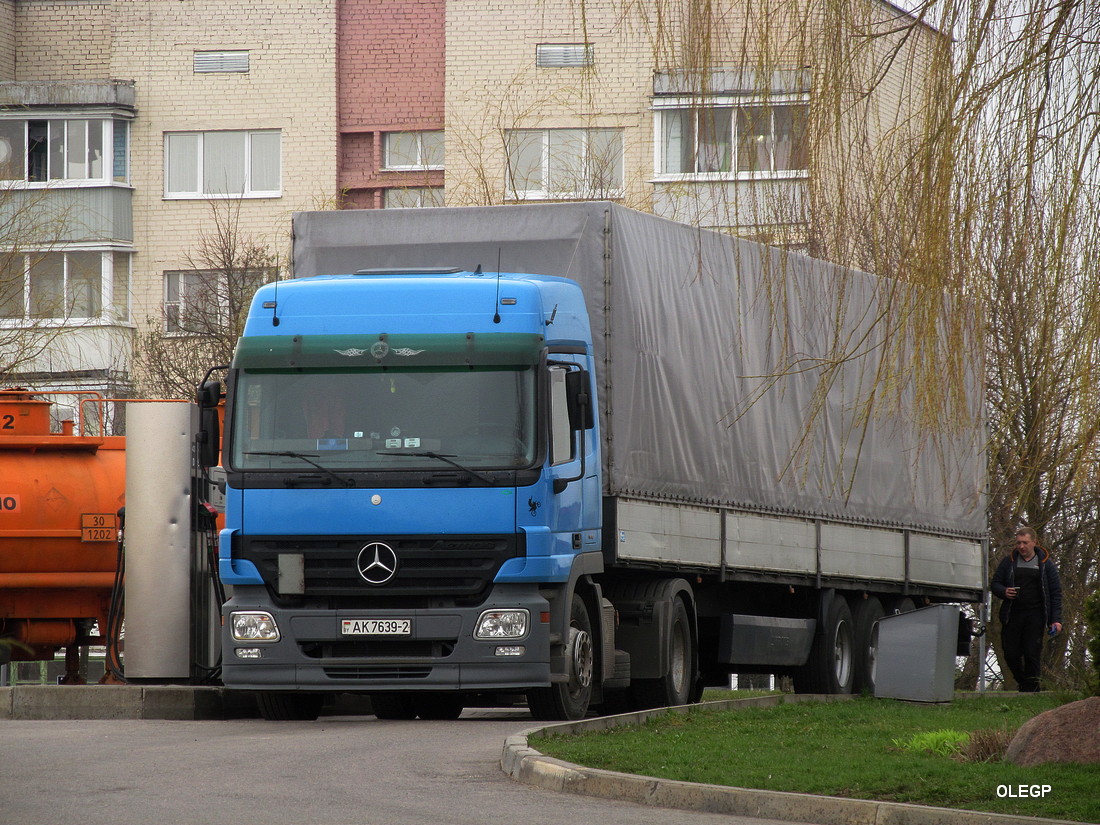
578,390
209,394
209,436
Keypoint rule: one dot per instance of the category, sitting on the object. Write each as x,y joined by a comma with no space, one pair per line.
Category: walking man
1028,583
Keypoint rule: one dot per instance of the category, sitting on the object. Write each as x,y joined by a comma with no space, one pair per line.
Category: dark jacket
1048,574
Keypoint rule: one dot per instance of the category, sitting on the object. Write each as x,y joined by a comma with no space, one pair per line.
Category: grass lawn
859,749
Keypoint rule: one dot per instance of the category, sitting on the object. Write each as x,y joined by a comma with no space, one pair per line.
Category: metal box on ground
915,657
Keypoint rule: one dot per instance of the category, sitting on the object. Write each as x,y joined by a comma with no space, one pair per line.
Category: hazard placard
98,527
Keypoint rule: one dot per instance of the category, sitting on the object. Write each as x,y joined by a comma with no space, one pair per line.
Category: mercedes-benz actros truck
575,454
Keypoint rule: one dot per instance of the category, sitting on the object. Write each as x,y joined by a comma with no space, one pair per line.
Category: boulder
1070,733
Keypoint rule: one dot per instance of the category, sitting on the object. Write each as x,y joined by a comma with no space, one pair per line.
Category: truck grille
456,569
384,672
379,649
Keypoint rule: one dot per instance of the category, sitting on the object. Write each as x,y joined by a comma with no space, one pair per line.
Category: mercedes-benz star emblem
377,563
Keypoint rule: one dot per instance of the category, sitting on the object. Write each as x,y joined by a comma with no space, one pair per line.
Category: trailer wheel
289,707
867,612
565,701
678,685
900,605
831,663
393,706
438,706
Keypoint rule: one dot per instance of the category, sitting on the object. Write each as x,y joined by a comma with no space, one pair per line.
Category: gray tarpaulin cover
688,325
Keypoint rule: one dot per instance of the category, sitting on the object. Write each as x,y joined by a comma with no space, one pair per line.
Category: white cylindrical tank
158,541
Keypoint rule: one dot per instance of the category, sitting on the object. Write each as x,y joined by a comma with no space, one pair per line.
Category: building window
204,302
564,163
412,197
183,299
76,285
220,62
121,152
413,150
240,164
716,141
564,55
91,151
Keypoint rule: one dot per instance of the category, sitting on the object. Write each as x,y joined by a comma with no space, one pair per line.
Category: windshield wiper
447,459
308,459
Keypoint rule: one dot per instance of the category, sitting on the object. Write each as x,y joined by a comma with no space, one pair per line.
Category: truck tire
566,701
393,705
867,612
677,687
438,706
831,663
289,707
902,604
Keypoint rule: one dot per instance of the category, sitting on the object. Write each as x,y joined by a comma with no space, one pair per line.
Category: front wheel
393,706
438,706
292,707
565,701
678,685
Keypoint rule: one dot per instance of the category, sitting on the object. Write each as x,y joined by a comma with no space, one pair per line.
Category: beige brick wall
62,40
7,40
290,86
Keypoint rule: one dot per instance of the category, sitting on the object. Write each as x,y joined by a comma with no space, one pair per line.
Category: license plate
376,627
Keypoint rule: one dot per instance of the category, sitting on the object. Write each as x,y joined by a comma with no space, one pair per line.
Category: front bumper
440,653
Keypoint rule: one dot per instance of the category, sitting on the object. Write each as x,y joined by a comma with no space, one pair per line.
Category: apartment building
759,118
728,114
125,124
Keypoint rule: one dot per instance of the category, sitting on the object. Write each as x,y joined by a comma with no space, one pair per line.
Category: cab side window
562,442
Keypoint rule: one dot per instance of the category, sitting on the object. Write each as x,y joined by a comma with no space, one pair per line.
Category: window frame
113,144
662,107
113,309
199,165
416,192
547,162
214,282
420,165
195,277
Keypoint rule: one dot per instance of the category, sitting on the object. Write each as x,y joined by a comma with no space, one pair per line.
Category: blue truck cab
412,493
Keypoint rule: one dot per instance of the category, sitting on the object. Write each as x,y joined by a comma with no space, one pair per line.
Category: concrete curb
525,764
46,702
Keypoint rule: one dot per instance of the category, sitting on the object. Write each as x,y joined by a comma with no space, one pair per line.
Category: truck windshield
374,420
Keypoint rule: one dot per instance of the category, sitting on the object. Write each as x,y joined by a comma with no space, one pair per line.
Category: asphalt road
341,770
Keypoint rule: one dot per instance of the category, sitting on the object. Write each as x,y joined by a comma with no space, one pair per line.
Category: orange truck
60,494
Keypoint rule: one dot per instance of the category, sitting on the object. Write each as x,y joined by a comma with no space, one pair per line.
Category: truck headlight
502,624
253,626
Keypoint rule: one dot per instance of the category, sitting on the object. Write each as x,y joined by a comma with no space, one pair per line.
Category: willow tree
984,197
950,148
1026,230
